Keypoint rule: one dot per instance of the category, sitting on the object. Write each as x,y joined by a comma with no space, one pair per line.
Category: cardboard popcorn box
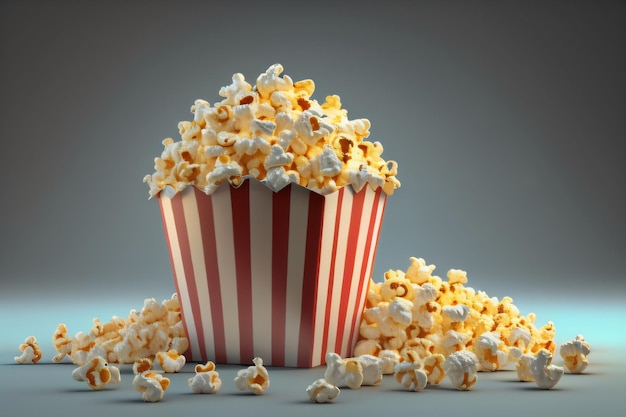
281,275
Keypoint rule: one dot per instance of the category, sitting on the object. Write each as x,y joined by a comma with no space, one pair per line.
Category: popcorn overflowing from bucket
275,132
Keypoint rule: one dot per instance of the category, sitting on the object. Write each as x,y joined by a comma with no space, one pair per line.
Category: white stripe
192,219
340,256
225,243
357,277
261,267
183,296
326,251
298,217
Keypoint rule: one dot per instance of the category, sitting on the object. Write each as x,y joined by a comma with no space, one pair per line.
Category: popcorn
353,372
461,368
321,391
411,375
254,378
417,311
575,352
546,375
523,367
152,385
487,349
31,352
206,381
433,366
276,133
96,372
62,343
170,361
156,328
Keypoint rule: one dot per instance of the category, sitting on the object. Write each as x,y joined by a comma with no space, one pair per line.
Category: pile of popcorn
152,332
274,132
418,311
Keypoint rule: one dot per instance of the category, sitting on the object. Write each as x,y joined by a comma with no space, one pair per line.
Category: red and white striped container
280,275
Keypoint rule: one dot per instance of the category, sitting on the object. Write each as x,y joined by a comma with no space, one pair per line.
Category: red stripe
281,202
185,250
207,230
364,282
169,250
240,206
348,267
310,279
331,278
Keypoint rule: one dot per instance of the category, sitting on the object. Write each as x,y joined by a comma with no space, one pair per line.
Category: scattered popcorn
274,132
31,352
546,375
353,372
62,343
461,368
487,350
143,334
206,380
523,367
417,311
321,391
170,361
152,385
411,375
433,365
575,352
96,372
254,378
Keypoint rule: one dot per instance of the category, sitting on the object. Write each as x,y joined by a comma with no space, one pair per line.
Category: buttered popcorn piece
170,361
489,353
254,378
152,385
96,372
274,132
574,353
523,367
461,368
411,376
546,375
31,352
321,391
353,372
206,381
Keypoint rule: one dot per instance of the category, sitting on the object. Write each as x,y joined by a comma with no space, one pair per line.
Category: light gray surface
49,390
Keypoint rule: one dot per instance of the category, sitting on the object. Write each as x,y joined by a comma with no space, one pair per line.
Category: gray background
507,120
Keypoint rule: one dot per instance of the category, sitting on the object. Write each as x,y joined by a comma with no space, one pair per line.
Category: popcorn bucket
280,275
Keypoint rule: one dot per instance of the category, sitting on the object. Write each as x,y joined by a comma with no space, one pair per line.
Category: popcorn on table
545,374
275,132
461,368
96,372
31,352
574,353
321,391
415,310
170,361
254,378
156,328
353,372
151,384
410,373
206,381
